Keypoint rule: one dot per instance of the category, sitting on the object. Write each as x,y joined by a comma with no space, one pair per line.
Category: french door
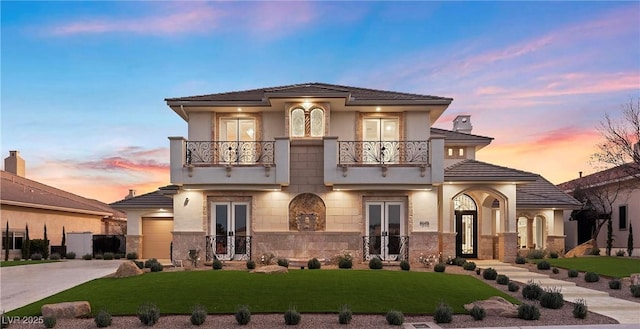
385,230
230,230
237,138
467,233
380,137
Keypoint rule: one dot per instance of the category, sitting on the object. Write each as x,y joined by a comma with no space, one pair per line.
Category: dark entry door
467,233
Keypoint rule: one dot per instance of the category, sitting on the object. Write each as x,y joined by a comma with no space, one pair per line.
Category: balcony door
237,140
380,137
385,229
230,229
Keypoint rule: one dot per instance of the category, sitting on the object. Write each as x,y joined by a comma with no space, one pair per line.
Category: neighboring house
25,201
315,170
618,189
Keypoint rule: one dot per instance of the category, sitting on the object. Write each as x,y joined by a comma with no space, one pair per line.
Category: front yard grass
311,291
613,266
10,263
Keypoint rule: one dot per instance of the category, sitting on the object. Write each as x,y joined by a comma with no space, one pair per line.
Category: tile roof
156,199
315,89
473,170
620,173
542,193
21,191
450,135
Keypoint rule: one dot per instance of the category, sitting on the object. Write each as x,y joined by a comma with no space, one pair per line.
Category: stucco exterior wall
343,124
273,125
417,126
200,126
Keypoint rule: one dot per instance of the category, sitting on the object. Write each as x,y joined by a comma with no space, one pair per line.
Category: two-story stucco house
314,170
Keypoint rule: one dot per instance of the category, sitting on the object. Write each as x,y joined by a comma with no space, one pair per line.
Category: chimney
15,164
132,194
580,174
462,124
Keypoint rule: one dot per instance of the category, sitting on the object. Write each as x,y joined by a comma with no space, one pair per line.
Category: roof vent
462,124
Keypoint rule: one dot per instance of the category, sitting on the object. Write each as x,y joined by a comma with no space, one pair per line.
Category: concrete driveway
23,285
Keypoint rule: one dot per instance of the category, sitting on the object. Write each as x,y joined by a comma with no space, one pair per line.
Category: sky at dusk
83,83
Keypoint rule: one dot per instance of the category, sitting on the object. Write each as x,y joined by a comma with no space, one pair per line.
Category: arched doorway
466,213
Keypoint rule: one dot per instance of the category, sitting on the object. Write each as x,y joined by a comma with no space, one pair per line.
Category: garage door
156,237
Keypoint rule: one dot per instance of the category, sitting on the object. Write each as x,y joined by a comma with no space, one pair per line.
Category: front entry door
229,223
467,233
385,228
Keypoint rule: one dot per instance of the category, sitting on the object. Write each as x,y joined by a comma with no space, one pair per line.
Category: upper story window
237,129
307,122
456,152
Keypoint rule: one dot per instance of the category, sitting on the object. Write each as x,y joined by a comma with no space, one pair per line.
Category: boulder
127,269
634,278
496,306
581,250
269,269
66,310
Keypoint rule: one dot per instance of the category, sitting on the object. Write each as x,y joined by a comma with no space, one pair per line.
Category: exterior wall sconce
423,170
190,170
345,168
267,170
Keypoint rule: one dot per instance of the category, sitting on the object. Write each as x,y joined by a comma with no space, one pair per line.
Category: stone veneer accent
555,243
306,245
448,244
485,247
507,246
185,241
134,244
426,243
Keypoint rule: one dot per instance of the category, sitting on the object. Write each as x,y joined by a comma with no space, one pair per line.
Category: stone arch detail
307,212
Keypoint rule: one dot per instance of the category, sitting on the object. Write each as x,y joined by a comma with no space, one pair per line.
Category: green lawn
24,262
366,291
617,267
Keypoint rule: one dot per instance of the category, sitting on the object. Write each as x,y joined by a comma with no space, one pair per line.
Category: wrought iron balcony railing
383,152
386,247
228,247
229,152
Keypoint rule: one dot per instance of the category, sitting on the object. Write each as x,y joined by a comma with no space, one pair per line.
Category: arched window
307,123
464,202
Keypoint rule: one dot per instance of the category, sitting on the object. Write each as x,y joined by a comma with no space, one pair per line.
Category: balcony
225,165
383,165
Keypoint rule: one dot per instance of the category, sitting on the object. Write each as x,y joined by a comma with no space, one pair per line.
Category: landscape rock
66,310
581,250
496,306
127,269
269,269
634,278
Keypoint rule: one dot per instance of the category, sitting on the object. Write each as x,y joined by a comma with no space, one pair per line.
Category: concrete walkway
25,284
600,302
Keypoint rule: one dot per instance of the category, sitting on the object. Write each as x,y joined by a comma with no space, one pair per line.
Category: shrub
405,266
572,273
243,315
502,279
580,309
132,256
440,267
292,316
139,263
528,312
198,315
39,246
490,274
615,284
543,265
469,266
443,313
520,260
118,255
552,298
314,264
87,257
156,267
345,315
102,319
555,270
344,262
512,286
375,263
98,256
36,256
55,256
217,264
17,258
108,256
70,255
251,264
478,271
635,290
536,254
553,254
49,322
149,262
478,313
458,261
283,262
591,277
620,253
395,318
532,291
148,313
595,251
